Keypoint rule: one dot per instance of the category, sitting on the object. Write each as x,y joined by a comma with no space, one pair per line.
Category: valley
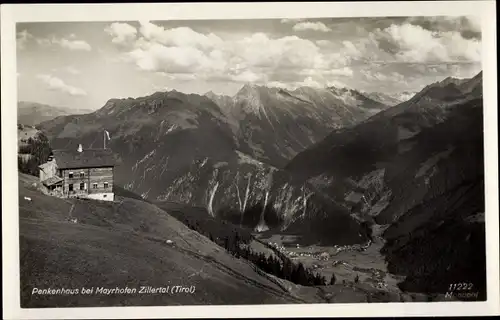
345,263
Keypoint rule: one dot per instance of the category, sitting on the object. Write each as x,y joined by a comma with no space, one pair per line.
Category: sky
84,64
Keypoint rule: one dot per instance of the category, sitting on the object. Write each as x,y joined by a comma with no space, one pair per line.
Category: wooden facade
80,182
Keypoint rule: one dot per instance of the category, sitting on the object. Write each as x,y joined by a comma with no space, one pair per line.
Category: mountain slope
32,113
155,138
417,170
295,119
124,244
358,150
223,156
129,243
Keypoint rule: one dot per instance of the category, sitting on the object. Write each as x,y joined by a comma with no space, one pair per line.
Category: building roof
88,158
52,180
47,164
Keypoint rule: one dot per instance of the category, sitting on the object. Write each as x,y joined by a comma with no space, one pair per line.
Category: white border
10,14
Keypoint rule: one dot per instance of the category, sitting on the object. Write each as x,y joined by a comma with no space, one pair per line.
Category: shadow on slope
439,236
127,243
448,248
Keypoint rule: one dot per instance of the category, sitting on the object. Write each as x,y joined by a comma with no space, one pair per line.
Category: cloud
329,73
323,43
70,44
182,76
310,82
248,59
69,69
74,44
413,43
409,43
373,75
72,70
122,33
316,26
45,42
392,55
363,50
291,20
461,70
57,84
290,52
22,38
249,76
474,23
468,26
157,57
178,37
307,82
346,72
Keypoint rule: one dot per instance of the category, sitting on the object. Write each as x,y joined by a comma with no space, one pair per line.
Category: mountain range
329,165
390,99
218,152
417,169
32,113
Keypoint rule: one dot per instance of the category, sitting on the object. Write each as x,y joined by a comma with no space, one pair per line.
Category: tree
236,237
287,270
245,253
333,279
319,280
276,267
39,149
301,275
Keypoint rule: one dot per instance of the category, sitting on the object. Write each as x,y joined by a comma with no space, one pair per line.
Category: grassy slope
124,244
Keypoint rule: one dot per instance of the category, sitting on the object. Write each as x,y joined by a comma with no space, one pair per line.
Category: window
82,186
71,174
94,185
104,196
70,186
106,185
82,174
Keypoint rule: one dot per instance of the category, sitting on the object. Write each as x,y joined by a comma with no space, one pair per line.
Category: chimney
80,148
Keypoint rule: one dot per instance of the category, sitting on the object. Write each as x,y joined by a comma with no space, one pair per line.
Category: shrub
39,149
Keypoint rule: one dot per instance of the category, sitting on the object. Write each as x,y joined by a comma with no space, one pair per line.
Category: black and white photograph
256,161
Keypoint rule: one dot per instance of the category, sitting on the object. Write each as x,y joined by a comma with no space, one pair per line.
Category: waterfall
240,203
245,200
262,224
247,193
211,200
